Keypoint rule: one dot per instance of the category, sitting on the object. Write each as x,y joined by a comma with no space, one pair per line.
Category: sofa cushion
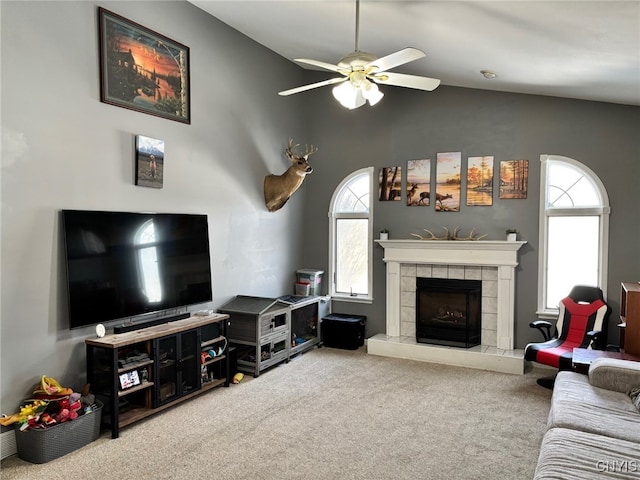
614,374
574,455
577,405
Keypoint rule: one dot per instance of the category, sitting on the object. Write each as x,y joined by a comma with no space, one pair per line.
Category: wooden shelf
213,341
215,359
134,366
132,415
119,340
214,383
137,388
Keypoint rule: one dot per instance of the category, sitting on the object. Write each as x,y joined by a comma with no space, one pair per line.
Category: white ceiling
576,49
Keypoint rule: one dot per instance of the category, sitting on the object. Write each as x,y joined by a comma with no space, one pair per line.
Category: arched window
574,230
351,241
147,256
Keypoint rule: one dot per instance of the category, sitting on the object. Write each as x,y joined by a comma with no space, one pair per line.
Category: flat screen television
125,265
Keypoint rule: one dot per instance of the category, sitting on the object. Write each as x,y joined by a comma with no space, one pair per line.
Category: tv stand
149,323
142,372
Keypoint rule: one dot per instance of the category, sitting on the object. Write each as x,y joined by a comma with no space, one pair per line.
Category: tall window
574,230
351,241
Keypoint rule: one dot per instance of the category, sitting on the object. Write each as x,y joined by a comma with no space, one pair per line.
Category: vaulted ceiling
576,49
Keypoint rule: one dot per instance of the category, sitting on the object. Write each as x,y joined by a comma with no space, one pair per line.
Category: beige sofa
593,426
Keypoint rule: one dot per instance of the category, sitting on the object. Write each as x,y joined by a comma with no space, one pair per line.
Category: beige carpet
328,414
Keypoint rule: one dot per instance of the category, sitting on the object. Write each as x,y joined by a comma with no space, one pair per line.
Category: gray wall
409,125
63,148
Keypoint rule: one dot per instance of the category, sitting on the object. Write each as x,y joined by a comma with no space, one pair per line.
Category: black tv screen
123,264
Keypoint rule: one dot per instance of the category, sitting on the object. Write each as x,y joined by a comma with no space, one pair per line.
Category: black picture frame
149,162
143,70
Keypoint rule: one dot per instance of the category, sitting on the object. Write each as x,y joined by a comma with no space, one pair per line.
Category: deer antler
432,235
472,236
308,151
450,235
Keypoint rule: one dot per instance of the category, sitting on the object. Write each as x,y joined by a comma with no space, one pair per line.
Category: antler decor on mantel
450,235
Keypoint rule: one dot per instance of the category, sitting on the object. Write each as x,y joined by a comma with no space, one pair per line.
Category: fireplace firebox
448,311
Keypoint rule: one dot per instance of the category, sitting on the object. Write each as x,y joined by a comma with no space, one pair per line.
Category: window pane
572,257
351,256
569,187
354,196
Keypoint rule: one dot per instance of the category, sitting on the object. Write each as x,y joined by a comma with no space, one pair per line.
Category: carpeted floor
328,414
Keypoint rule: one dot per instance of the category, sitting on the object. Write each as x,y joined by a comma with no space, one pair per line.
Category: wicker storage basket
44,445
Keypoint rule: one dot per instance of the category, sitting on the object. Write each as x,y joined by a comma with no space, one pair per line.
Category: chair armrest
540,324
596,342
614,374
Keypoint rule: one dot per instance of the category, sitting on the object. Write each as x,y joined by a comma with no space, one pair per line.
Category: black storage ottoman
340,330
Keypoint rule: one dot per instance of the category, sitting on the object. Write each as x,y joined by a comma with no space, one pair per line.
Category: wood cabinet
259,329
267,331
142,372
630,317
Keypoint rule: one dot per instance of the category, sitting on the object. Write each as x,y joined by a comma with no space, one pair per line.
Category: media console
141,372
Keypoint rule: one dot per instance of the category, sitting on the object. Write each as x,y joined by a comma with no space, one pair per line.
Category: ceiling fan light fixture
349,95
363,70
372,93
357,92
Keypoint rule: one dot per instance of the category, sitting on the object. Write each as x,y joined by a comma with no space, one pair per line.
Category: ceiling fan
362,71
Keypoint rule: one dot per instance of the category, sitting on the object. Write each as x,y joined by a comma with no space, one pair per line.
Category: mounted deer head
278,188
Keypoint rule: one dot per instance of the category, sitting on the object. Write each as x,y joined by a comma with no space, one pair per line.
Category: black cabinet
177,366
138,373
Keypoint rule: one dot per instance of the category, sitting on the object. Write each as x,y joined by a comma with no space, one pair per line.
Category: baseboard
8,445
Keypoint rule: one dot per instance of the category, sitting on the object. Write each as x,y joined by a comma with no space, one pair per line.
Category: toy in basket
55,422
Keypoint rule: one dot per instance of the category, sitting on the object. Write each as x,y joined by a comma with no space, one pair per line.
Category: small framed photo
143,70
149,162
129,379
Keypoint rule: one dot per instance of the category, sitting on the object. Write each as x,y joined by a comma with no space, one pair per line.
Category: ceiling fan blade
318,63
400,57
331,81
409,81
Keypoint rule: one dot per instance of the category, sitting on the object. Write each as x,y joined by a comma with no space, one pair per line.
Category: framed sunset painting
143,70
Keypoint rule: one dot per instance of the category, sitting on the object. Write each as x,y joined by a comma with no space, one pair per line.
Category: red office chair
582,323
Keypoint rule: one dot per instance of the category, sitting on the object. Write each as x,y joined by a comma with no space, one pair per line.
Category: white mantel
499,255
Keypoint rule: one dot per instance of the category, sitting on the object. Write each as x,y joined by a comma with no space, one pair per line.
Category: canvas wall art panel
480,181
514,179
390,184
418,182
447,194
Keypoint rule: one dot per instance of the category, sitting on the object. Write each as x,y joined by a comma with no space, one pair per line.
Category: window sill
336,297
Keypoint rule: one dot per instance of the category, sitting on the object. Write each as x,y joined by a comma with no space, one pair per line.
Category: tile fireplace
492,263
